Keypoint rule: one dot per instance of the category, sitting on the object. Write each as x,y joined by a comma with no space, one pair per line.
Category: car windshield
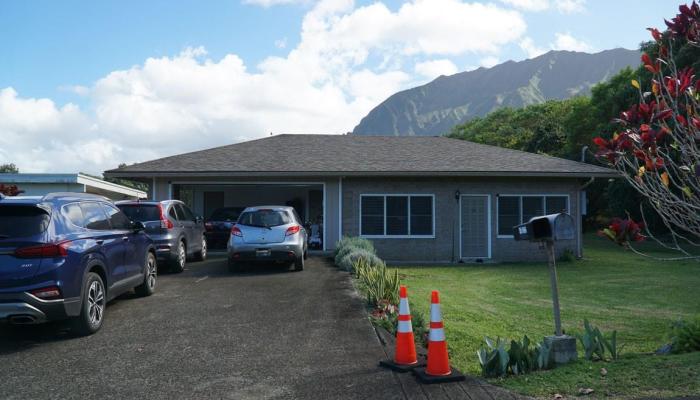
264,218
141,212
22,221
225,214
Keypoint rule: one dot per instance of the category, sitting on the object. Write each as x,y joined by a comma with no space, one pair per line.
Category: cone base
400,367
454,376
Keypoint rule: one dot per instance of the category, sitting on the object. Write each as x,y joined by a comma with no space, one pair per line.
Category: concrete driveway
210,334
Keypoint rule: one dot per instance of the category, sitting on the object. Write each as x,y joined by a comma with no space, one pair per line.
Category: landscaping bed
639,298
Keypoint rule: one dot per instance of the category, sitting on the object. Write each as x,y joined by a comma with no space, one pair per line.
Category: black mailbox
546,227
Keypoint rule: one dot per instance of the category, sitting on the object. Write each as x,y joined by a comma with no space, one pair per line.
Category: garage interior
307,199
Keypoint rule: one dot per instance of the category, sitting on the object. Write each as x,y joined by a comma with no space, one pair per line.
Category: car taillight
44,251
165,223
235,231
47,293
292,230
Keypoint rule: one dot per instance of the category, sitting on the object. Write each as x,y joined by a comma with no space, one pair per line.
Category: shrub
519,359
353,241
348,260
386,316
685,335
376,281
595,343
567,256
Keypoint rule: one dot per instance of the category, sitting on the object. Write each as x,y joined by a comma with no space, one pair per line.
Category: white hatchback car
267,234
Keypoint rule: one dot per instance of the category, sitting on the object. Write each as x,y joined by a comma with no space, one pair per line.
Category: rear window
141,212
22,221
264,218
226,214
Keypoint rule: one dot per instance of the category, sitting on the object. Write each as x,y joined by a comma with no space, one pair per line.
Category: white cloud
488,62
563,6
529,47
528,5
434,68
564,41
571,6
326,84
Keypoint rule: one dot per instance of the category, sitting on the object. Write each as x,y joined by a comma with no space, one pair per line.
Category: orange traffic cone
438,369
405,353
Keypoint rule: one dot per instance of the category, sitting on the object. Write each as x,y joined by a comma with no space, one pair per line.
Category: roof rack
56,195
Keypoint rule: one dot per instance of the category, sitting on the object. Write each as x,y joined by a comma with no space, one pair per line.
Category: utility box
552,227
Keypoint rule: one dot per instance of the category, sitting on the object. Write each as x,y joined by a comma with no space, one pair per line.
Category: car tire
93,306
233,266
299,263
306,254
148,287
201,255
178,265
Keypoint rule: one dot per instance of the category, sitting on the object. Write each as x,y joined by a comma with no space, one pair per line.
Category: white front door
475,232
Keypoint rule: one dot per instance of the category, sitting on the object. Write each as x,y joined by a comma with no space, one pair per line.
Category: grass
613,288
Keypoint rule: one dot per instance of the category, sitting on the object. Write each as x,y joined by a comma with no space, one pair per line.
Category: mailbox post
548,229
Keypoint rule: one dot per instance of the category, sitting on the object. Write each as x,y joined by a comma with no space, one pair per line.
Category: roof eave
238,174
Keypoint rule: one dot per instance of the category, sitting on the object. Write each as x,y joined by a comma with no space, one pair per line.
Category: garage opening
219,205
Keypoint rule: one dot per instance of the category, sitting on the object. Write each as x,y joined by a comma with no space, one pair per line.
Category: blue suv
65,255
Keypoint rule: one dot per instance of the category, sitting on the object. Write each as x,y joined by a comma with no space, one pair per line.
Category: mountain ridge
437,106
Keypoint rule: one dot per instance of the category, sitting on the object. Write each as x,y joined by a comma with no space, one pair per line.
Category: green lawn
612,288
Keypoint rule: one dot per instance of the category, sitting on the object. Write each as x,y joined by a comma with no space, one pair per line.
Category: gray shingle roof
360,155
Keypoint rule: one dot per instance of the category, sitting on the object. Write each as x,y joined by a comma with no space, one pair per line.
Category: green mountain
436,107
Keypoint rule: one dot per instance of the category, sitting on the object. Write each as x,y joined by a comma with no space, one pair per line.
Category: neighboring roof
81,179
350,155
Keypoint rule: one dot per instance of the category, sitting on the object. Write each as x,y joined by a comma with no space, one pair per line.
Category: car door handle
99,242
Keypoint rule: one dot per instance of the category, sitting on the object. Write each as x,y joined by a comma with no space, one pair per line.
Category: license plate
262,253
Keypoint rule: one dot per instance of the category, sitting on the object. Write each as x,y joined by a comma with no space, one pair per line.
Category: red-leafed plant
656,147
10,190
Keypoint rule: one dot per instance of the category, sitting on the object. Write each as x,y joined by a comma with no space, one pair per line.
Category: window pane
117,218
372,215
189,215
172,214
556,204
397,215
74,214
508,214
22,221
532,207
94,217
421,215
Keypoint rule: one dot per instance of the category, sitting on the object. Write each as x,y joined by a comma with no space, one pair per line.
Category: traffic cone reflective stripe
405,353
438,361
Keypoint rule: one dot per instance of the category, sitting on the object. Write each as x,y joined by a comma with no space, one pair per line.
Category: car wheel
233,266
93,307
181,258
150,275
202,254
299,263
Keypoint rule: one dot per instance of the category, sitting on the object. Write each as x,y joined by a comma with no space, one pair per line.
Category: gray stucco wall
445,246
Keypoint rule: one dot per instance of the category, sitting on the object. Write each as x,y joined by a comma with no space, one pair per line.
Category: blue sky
76,74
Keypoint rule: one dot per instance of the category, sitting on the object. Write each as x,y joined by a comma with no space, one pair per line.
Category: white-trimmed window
397,215
517,209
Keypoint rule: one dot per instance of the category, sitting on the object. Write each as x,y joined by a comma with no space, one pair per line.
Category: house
419,199
41,184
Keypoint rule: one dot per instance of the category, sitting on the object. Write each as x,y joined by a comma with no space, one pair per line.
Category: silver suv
267,234
176,232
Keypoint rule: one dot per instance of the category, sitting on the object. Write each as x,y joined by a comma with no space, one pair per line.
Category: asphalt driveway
210,334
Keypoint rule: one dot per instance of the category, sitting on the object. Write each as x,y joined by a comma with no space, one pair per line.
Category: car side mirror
138,226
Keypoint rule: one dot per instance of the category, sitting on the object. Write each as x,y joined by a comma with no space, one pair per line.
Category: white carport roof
92,184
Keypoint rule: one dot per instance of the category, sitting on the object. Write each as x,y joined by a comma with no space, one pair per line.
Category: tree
656,149
9,168
10,190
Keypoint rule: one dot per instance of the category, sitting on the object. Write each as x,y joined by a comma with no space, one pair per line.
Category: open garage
306,198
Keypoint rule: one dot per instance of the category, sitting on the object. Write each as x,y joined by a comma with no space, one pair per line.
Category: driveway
210,334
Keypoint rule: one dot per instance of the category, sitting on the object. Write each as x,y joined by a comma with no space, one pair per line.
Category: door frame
488,224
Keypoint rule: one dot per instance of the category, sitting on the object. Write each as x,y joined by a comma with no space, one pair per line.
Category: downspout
580,206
